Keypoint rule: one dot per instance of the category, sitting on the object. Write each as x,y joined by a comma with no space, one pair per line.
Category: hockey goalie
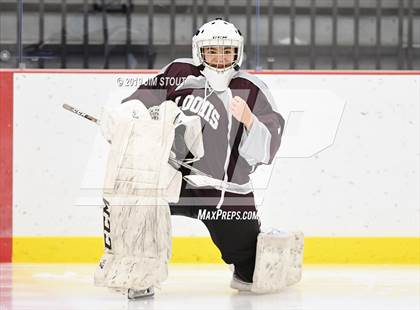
218,124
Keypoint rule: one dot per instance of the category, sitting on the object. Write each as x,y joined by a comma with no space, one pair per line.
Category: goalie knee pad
278,261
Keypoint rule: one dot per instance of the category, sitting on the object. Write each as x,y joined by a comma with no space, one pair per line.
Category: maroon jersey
231,152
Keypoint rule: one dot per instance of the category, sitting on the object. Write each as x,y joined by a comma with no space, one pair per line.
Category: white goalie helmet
223,37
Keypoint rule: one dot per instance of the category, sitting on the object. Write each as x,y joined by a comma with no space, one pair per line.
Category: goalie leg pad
271,262
139,183
103,268
141,244
278,261
294,273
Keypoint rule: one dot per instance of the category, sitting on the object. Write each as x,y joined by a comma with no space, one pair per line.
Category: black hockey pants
236,238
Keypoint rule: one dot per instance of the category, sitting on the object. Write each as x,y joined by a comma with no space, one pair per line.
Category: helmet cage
219,42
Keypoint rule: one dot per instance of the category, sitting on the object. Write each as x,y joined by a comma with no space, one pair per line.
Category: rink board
347,173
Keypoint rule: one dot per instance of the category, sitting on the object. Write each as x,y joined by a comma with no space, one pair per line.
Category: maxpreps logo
201,107
219,214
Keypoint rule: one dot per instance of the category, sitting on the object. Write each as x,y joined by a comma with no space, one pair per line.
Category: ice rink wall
347,172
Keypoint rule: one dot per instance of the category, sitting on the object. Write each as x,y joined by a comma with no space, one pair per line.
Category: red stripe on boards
6,165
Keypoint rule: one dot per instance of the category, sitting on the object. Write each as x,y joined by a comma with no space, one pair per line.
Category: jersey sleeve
260,144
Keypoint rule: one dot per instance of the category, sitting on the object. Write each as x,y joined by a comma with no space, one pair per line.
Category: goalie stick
173,161
80,113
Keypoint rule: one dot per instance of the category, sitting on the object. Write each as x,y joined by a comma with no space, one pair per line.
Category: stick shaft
175,161
80,113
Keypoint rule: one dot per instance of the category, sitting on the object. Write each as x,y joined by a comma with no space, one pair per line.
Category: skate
135,294
240,285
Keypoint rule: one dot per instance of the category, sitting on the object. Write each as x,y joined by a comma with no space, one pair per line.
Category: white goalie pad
141,245
278,261
135,109
294,272
112,115
139,183
138,159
